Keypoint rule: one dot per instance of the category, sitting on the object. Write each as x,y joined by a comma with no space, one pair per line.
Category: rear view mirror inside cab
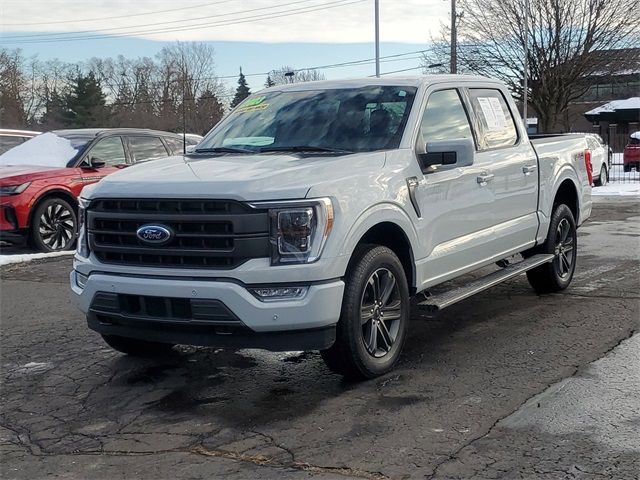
447,154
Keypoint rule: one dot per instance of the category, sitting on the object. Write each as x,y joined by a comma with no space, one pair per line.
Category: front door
456,208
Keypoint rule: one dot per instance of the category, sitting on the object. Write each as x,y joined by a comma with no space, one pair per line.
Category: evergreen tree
242,91
269,82
86,103
54,111
209,112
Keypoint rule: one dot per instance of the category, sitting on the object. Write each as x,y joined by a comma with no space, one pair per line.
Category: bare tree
279,77
564,38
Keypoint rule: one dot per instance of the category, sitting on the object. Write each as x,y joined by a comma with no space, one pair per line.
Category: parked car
308,218
631,155
13,138
600,156
41,179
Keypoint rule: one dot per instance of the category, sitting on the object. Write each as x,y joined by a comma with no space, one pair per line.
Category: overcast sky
302,33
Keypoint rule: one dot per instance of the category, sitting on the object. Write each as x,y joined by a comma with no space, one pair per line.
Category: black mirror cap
438,158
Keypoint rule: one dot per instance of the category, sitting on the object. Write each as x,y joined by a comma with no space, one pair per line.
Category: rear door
146,147
510,167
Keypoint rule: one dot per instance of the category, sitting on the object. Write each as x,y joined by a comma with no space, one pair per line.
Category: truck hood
19,174
237,177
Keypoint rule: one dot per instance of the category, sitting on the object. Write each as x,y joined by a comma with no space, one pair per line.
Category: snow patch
34,367
28,257
628,104
618,189
48,150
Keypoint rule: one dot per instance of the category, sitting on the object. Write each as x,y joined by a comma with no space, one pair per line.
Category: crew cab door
510,168
456,211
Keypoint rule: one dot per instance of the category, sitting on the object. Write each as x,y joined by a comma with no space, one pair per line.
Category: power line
249,19
154,12
98,31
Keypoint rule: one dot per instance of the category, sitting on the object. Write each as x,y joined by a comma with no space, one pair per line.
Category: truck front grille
206,233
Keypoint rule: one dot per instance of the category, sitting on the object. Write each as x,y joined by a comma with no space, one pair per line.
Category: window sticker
252,105
493,113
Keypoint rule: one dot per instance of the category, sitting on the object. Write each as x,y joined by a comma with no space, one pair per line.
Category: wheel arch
391,235
567,193
54,193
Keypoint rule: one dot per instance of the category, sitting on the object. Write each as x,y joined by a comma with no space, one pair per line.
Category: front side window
110,151
147,148
497,127
444,118
342,120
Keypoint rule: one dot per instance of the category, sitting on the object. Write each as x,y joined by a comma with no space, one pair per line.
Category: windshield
340,120
48,149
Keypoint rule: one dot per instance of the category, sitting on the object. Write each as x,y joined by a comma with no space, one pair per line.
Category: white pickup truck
308,218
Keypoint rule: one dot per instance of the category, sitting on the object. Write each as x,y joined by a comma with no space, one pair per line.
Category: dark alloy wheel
380,312
375,315
54,226
562,242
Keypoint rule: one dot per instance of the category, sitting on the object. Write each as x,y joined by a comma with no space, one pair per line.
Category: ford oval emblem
154,234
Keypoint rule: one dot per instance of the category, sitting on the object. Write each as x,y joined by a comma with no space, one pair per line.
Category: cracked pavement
503,385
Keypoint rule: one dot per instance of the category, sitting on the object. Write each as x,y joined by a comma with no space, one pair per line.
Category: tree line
175,90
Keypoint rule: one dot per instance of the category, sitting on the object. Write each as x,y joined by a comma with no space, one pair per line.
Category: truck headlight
299,229
83,240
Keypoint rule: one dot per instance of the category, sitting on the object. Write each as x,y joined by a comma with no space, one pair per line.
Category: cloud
402,21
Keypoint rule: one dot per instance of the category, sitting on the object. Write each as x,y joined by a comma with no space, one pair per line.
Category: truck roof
409,81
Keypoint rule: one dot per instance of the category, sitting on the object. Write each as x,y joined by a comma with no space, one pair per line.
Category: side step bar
445,299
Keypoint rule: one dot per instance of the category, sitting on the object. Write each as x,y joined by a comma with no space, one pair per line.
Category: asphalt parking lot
502,385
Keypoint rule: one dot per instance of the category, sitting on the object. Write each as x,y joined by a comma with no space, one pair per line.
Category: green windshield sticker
254,101
252,108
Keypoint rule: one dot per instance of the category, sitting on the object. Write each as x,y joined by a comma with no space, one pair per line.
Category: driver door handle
484,179
529,169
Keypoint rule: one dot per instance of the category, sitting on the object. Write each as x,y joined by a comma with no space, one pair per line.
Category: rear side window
110,151
147,148
496,124
9,142
175,144
444,117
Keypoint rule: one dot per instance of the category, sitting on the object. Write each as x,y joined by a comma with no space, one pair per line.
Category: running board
442,300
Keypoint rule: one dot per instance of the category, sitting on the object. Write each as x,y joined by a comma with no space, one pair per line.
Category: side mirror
447,154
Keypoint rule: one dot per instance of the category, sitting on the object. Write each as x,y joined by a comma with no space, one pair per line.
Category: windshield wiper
223,150
303,148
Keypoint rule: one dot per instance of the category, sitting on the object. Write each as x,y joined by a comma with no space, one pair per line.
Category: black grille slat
206,233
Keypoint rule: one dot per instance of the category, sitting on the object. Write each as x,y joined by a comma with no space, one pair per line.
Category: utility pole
525,86
377,21
454,38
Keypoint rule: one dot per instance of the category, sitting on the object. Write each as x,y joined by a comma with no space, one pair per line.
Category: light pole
525,83
377,22
454,38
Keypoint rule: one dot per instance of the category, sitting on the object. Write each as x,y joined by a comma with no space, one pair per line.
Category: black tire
136,347
373,269
627,168
603,179
562,241
54,225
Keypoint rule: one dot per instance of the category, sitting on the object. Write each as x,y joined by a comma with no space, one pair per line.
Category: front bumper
307,323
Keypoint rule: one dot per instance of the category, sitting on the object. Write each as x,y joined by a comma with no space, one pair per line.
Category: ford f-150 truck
308,218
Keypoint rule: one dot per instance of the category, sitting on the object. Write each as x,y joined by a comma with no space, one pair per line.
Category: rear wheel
603,179
627,168
374,318
54,225
563,243
136,347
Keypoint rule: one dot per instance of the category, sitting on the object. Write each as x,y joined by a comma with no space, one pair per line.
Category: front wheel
562,241
54,225
374,318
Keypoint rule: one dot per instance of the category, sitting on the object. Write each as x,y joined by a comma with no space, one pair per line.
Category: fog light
81,280
268,294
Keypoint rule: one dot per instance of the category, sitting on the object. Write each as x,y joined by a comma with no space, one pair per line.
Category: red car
41,178
631,155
